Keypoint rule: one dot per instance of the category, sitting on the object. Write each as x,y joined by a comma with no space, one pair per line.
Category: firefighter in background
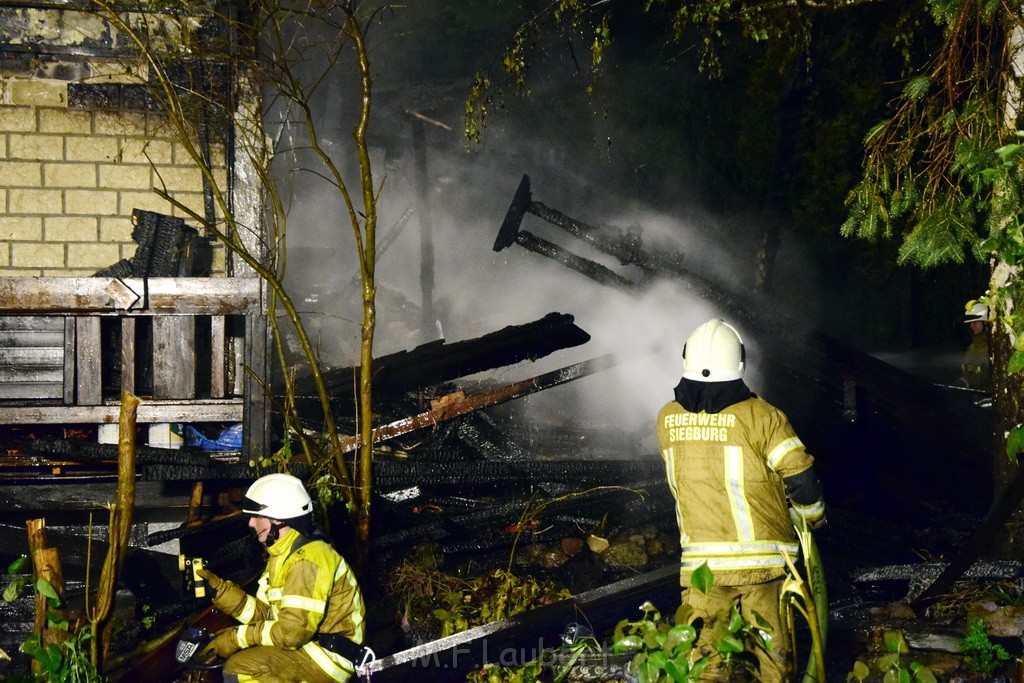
737,470
305,622
976,367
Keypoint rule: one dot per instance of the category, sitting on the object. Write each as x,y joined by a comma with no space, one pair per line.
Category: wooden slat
88,382
31,323
197,295
218,356
128,355
33,338
69,360
21,375
32,357
35,390
174,356
225,410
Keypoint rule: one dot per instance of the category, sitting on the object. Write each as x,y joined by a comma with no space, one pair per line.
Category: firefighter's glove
214,582
224,644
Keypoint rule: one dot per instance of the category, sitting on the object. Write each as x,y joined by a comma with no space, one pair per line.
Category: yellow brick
21,228
119,123
69,175
17,119
5,254
70,228
97,148
33,146
38,92
95,255
178,178
90,202
35,202
116,229
219,257
149,201
125,177
65,121
3,147
37,255
21,173
128,250
193,200
142,151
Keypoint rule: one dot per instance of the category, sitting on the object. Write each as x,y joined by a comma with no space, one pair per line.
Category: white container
166,435
108,433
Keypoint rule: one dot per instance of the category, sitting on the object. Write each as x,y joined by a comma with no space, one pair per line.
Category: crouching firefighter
306,620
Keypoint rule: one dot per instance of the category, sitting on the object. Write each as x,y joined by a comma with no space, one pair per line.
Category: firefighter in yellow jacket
736,469
305,622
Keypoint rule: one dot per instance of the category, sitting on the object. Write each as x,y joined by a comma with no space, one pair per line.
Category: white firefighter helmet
978,312
714,353
277,496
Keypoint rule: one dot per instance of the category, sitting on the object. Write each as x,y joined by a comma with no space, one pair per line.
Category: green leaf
1015,442
702,579
16,566
12,589
678,669
729,644
916,88
922,673
678,635
1016,362
895,642
628,644
860,670
46,588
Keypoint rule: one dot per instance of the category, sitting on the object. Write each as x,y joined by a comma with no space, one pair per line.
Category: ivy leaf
895,642
1015,442
628,644
46,588
16,566
702,579
1016,363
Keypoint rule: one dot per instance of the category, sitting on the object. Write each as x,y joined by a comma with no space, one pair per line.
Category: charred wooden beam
462,406
437,362
595,271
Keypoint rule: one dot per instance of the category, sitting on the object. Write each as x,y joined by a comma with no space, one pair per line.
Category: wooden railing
193,348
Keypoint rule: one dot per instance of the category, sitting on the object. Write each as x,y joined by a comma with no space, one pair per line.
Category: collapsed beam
463,406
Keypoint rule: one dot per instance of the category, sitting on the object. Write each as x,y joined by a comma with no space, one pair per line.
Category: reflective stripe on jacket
725,470
311,590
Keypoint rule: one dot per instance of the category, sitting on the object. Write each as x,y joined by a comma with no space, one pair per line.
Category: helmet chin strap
274,533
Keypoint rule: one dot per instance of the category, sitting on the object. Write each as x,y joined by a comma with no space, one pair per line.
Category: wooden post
46,563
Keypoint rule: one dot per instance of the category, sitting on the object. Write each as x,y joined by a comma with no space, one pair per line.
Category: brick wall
80,146
69,179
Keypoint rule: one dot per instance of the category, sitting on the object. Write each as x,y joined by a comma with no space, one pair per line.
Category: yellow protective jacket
726,471
306,588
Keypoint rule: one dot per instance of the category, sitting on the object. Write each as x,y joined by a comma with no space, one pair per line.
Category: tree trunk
1008,389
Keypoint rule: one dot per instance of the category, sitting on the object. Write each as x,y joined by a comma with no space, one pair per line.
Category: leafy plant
494,596
66,661
890,664
666,652
981,655
459,604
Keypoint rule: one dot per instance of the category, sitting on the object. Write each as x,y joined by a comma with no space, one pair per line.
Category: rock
572,546
625,555
541,555
597,544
